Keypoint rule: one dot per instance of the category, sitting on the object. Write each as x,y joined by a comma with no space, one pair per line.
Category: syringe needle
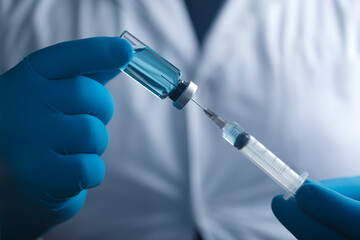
218,120
198,104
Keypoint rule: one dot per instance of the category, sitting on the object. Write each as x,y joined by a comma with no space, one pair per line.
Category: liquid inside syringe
276,169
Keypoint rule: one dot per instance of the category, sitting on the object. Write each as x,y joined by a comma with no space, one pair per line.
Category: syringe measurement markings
273,164
235,132
280,169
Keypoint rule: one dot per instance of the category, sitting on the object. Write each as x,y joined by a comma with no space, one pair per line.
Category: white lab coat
287,71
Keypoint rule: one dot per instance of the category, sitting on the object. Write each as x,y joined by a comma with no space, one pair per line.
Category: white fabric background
287,71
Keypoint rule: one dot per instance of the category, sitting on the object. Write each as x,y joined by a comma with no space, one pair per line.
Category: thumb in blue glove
328,209
53,112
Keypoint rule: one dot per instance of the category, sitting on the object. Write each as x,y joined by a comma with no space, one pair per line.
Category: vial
157,74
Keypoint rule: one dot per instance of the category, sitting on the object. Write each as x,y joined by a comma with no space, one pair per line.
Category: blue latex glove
53,111
328,209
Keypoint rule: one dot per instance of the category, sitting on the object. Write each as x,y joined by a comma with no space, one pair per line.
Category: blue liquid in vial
153,72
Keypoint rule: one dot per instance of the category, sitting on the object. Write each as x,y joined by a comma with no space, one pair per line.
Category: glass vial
156,74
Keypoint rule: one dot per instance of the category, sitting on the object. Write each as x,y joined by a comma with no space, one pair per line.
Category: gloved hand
328,209
53,111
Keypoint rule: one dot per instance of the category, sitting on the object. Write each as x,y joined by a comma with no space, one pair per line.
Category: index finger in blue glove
330,207
300,224
79,57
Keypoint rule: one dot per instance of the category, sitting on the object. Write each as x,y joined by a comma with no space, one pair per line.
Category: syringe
276,169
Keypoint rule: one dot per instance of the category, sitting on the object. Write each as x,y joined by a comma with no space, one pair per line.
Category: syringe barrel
273,166
264,159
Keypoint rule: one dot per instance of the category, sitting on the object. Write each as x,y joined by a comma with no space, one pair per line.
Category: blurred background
287,71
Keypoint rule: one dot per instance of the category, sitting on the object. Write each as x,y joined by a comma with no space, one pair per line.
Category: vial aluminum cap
186,95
